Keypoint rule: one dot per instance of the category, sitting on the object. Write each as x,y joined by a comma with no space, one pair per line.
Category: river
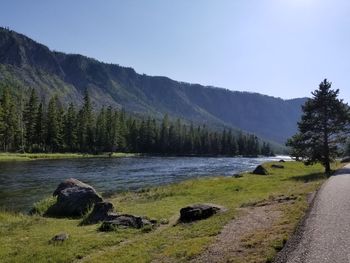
23,183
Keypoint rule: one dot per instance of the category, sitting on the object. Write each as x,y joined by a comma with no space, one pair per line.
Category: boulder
282,161
197,212
74,199
345,160
115,221
277,166
237,175
260,170
68,183
100,213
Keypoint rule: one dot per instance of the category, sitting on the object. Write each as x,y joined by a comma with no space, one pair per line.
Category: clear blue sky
282,48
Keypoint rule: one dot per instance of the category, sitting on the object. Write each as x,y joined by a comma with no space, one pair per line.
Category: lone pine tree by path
323,127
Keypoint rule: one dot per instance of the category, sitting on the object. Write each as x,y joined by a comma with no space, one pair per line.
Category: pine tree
121,131
231,142
164,134
151,135
323,127
112,130
143,143
133,136
2,125
9,121
172,146
70,129
39,138
177,141
266,149
29,116
101,131
241,144
53,139
86,138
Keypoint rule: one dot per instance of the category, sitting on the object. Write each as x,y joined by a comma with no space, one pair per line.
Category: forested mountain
31,64
30,125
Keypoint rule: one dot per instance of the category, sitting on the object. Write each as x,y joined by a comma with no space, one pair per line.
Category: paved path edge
297,235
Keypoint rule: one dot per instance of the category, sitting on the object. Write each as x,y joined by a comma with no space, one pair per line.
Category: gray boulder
260,170
197,212
100,213
74,199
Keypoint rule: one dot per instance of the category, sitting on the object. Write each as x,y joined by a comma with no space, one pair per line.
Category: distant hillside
33,64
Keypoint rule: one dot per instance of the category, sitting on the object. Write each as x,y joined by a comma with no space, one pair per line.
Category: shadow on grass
342,171
308,177
318,176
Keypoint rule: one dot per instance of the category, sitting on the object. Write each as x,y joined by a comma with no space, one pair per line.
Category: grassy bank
39,156
25,238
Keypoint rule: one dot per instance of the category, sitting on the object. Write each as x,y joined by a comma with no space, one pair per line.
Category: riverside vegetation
25,238
28,125
7,157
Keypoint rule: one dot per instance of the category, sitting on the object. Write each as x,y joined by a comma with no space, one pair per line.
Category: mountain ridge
69,75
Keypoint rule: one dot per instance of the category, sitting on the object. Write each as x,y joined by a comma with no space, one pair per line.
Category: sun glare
298,3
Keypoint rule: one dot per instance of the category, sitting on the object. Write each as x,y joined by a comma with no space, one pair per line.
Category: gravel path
324,235
228,243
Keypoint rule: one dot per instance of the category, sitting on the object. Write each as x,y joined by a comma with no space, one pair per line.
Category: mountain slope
68,75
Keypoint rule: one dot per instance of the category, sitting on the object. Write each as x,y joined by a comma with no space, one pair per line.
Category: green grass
39,156
25,238
39,208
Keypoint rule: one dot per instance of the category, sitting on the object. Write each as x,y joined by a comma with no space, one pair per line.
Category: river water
23,183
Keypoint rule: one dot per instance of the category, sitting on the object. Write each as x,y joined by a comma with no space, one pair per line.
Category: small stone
59,238
163,221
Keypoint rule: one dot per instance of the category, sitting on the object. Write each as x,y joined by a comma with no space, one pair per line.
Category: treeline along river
23,183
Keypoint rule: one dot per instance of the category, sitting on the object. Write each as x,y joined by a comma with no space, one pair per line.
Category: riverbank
23,237
7,157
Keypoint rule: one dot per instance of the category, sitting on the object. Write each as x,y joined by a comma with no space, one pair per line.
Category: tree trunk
327,167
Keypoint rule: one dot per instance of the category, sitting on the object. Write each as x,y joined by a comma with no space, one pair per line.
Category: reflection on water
23,183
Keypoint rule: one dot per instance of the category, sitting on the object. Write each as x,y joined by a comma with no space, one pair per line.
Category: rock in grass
282,161
59,238
115,221
260,170
164,221
74,199
277,166
100,212
197,212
